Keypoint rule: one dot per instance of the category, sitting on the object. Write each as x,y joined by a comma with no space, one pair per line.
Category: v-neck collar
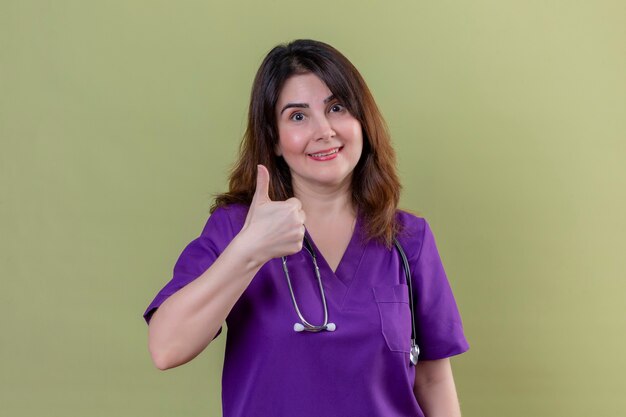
351,258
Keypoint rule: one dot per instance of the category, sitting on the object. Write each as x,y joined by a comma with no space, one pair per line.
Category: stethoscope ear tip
299,327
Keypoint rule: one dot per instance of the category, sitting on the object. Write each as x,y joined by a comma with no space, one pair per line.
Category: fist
273,228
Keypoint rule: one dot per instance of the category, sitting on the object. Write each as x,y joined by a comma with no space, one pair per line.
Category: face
319,139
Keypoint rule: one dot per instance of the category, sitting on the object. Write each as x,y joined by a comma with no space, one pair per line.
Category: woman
316,167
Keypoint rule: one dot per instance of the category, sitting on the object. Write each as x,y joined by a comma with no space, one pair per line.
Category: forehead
303,88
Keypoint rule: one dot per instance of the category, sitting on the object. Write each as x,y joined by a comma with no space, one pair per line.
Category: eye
297,117
337,108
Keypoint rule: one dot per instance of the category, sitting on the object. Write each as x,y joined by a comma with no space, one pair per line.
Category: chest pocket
395,315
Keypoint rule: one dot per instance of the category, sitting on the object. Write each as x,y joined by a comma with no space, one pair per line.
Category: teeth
325,154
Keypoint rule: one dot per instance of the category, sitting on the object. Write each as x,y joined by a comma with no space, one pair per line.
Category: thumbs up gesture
272,228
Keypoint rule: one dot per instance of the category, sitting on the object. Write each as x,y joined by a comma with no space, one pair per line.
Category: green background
120,119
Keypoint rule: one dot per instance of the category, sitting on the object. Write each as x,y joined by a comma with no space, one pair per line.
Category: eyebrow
304,105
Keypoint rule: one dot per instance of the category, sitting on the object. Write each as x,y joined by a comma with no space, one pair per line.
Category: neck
323,202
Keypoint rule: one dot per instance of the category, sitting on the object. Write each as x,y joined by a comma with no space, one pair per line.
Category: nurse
316,162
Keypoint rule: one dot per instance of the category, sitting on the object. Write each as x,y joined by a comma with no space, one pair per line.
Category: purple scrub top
362,368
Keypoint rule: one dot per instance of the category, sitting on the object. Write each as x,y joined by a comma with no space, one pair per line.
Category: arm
189,319
434,389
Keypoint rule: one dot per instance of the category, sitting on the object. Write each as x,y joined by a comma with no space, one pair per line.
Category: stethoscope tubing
304,325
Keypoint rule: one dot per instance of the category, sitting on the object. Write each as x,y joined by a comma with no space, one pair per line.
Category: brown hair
375,184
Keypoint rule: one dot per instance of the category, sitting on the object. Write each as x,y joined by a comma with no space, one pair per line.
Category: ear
277,150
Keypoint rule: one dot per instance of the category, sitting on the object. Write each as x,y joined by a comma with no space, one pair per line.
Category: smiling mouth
325,153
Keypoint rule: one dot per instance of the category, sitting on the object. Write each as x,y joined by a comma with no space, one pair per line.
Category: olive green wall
118,119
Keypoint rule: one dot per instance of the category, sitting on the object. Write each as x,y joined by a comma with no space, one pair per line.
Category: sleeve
196,258
439,330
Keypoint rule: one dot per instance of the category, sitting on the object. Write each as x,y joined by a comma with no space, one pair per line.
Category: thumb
261,194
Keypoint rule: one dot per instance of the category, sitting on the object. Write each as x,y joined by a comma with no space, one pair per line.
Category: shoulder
226,220
413,230
412,226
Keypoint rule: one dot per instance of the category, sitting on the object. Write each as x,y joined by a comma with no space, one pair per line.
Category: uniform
362,368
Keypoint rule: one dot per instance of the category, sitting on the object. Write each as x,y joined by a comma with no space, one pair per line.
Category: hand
273,228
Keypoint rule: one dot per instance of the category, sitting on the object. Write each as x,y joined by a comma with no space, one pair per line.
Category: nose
325,129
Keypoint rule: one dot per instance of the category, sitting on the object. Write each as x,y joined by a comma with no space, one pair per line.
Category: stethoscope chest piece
415,352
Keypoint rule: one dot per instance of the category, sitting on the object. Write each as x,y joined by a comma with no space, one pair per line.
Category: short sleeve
196,258
439,330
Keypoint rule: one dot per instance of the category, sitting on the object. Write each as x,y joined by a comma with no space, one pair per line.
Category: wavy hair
375,185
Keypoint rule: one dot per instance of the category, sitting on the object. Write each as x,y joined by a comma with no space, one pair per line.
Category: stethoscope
331,327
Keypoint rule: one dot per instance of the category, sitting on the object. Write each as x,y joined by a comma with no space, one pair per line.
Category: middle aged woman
316,166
